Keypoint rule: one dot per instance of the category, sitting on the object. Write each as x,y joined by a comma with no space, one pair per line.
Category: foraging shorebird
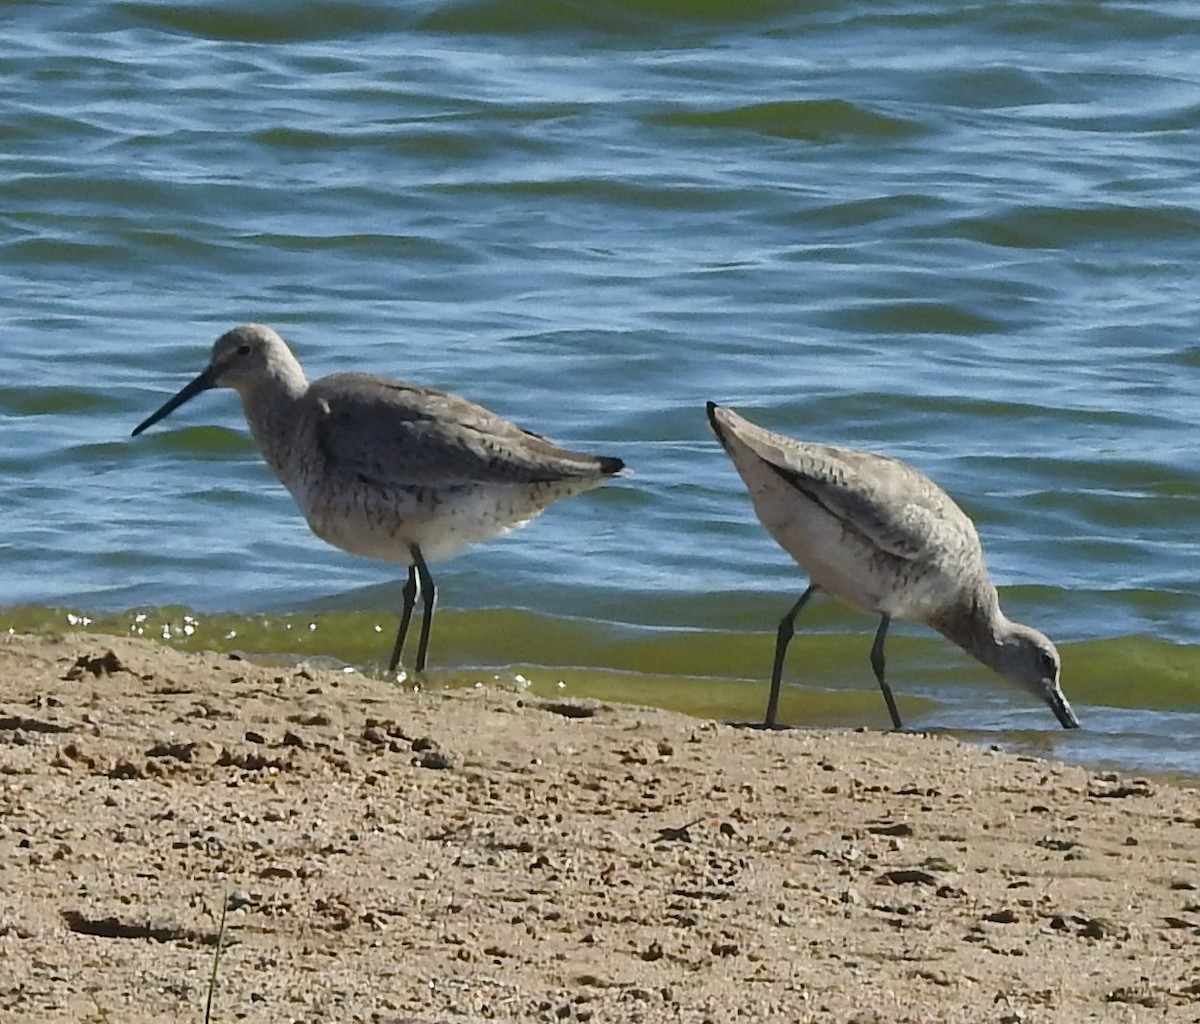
879,535
386,469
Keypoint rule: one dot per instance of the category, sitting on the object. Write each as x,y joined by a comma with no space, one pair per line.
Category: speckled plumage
386,469
881,536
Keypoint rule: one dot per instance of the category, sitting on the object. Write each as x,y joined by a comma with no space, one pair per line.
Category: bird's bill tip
149,421
190,391
1062,709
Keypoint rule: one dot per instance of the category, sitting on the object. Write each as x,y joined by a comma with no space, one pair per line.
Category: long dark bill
1062,710
202,383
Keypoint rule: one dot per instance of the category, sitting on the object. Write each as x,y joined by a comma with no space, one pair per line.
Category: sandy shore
476,855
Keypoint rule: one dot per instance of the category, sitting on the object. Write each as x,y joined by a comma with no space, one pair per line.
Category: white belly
440,521
847,567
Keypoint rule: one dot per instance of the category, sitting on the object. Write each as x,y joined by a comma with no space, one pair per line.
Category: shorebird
880,536
386,469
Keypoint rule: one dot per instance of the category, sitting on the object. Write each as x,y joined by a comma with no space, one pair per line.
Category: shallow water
963,236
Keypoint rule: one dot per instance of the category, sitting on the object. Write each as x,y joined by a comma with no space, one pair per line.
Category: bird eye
243,350
1049,664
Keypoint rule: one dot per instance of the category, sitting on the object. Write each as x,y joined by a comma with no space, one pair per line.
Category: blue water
962,235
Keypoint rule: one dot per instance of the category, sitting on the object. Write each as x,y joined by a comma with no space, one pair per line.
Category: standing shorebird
390,470
880,536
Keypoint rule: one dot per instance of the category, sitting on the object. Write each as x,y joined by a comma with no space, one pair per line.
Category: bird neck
273,413
978,626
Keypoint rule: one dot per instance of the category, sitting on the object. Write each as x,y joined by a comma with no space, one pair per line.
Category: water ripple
806,120
959,235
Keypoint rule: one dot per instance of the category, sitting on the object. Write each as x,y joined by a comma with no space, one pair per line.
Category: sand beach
482,855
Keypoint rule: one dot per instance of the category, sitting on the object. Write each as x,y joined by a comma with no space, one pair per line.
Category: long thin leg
787,626
411,588
429,593
877,665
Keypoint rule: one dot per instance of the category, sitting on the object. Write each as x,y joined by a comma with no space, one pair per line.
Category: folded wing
393,433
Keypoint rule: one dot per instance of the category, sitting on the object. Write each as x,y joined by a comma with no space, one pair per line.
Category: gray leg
787,626
429,592
411,588
877,665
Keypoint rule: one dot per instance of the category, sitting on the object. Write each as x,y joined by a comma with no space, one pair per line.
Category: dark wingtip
610,466
712,409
